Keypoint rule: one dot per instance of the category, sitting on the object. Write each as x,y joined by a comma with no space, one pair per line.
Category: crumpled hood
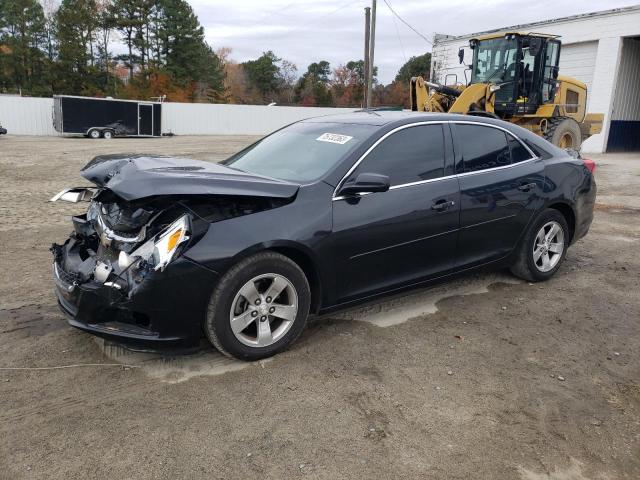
133,177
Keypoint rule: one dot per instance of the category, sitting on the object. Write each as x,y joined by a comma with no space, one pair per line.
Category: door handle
525,187
442,205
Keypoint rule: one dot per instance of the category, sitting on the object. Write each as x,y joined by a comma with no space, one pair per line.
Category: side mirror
366,183
461,54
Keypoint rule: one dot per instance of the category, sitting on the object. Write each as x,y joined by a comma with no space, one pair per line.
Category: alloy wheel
548,246
263,310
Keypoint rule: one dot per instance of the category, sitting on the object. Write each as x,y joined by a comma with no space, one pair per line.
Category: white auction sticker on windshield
334,138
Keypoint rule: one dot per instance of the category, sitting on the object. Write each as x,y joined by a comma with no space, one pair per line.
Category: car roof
391,119
396,117
363,117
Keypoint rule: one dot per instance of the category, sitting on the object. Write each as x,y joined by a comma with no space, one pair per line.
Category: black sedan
316,216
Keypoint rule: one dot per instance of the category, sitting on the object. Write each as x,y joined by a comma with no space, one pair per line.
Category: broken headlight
167,243
161,249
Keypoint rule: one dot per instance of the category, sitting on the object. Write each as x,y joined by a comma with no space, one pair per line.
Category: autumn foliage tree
69,47
347,83
313,88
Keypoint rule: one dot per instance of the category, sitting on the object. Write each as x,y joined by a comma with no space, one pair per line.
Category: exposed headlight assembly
160,250
166,244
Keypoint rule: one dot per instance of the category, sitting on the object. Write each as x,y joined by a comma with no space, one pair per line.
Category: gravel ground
483,377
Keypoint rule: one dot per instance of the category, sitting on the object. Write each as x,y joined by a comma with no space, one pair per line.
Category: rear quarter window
518,151
537,149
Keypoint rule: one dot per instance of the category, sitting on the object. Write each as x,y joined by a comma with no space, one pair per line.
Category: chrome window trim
501,167
420,182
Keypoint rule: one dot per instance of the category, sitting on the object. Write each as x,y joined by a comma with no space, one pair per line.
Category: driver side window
409,155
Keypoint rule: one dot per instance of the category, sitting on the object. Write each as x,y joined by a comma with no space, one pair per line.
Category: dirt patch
483,377
616,208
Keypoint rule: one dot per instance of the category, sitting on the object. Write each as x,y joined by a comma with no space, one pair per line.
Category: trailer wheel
107,134
94,133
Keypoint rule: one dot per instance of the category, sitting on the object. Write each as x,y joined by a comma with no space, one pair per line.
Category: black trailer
106,117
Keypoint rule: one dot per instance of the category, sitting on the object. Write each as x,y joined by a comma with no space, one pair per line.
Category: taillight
590,164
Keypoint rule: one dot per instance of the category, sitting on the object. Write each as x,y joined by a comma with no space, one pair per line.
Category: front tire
107,134
564,133
543,247
94,133
259,307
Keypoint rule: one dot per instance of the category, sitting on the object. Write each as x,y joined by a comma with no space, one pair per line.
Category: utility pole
365,73
371,52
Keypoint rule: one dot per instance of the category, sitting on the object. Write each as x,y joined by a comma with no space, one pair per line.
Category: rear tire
94,133
246,322
542,248
107,134
564,133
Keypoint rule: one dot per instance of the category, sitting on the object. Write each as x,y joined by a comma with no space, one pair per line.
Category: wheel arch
569,215
301,256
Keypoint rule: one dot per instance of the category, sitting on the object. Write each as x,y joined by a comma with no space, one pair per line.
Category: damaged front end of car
123,274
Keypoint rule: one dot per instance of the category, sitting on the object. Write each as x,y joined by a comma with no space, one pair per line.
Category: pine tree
22,64
264,74
77,25
142,31
184,52
127,22
105,23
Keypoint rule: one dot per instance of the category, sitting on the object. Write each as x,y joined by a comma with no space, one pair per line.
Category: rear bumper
166,310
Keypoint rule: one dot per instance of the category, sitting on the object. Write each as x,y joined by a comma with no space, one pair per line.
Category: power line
407,24
270,14
332,12
395,24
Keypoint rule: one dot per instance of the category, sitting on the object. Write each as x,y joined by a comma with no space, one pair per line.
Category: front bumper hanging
145,309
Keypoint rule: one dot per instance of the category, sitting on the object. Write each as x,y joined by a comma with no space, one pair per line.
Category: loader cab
521,68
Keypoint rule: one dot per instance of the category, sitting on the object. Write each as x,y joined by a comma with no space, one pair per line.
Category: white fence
219,119
27,116
33,116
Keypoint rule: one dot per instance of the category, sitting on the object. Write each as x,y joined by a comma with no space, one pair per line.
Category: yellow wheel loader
514,77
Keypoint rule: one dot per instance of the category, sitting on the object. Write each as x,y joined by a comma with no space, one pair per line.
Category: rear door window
483,147
409,155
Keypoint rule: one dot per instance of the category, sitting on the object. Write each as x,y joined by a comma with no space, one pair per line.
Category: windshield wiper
236,169
502,68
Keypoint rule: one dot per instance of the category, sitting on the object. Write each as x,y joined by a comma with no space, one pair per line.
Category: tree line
152,48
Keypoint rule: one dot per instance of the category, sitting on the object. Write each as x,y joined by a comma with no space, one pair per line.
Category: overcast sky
305,31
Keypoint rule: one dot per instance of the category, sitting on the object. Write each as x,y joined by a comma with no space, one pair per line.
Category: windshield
301,152
494,61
